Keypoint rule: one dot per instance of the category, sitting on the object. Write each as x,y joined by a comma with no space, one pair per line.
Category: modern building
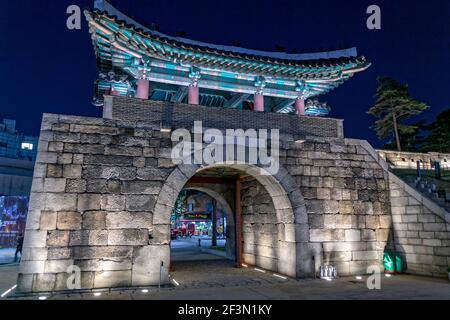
17,156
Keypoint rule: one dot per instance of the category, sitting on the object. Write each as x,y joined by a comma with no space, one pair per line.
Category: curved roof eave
105,6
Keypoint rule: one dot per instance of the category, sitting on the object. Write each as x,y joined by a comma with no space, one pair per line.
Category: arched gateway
288,202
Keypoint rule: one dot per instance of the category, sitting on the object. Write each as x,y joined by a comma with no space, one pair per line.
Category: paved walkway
8,276
187,249
7,255
219,279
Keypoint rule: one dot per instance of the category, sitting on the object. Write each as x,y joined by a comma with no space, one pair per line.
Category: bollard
160,274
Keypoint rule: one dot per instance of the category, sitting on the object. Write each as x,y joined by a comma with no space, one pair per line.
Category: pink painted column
259,102
300,106
193,93
113,92
142,89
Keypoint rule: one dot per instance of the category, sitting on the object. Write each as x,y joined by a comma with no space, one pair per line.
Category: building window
403,159
27,146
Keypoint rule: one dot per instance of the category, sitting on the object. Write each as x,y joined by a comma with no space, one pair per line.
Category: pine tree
439,138
394,104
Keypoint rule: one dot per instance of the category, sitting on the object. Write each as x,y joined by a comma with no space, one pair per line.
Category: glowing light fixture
175,282
387,275
244,265
42,298
259,270
279,276
8,291
97,294
358,278
144,290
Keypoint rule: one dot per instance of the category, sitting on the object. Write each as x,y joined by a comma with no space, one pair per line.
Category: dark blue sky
48,68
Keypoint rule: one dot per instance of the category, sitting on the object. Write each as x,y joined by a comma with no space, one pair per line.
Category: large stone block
141,187
54,185
147,262
434,227
127,237
344,246
58,238
364,255
97,186
65,158
320,235
151,173
94,220
68,220
113,202
75,185
24,283
48,220
102,252
89,238
361,267
35,239
72,171
352,235
61,202
161,214
110,264
372,222
58,253
368,235
89,202
160,234
129,220
140,202
28,267
44,282
382,234
57,266
108,160
108,279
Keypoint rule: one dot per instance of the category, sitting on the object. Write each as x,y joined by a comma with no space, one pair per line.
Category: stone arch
231,242
292,218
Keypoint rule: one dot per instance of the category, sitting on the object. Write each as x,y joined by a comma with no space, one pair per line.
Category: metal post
214,224
160,275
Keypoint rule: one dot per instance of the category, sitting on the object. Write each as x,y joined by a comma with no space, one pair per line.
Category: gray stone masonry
421,230
103,191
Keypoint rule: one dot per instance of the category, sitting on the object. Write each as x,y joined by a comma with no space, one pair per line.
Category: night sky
45,67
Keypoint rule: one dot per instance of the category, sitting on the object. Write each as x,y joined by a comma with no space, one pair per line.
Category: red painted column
142,89
193,95
113,92
300,106
259,102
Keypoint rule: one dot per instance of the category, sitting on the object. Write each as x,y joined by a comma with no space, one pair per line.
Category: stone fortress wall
103,190
408,160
